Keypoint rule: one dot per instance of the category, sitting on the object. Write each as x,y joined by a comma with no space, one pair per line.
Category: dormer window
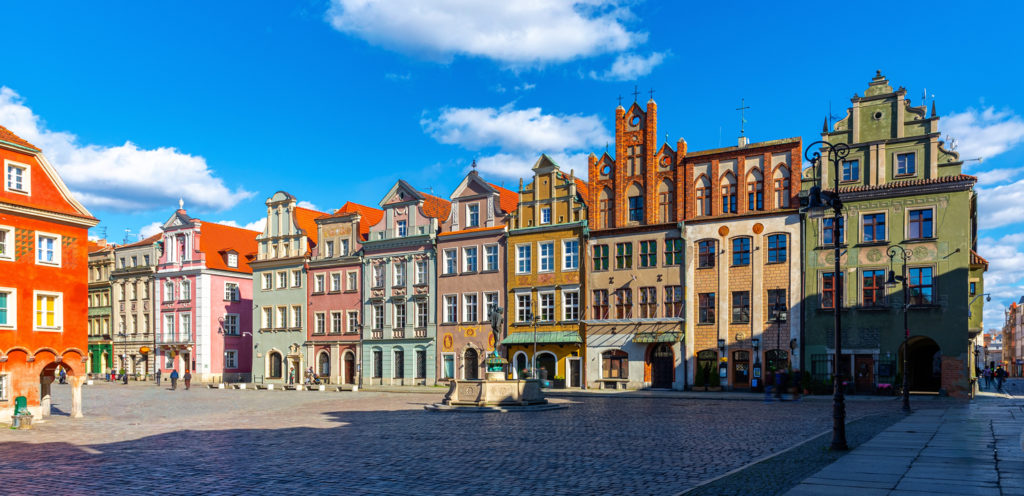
545,215
232,260
473,215
17,178
344,248
329,249
401,228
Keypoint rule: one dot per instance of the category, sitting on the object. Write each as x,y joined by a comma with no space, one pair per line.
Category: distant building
134,305
1011,340
101,348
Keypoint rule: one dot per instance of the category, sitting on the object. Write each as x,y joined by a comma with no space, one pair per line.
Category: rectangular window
919,224
231,324
400,274
168,360
185,327
473,215
320,323
400,310
186,291
297,278
378,275
451,309
600,257
351,281
268,318
782,192
447,366
450,261
169,326
344,248
874,228
378,364
318,283
704,200
17,178
570,305
378,316
648,302
329,249
491,257
421,364
282,280
353,321
469,313
232,260
615,364
729,198
600,304
636,208
231,291
623,255
9,307
297,316
905,164
706,254
921,286
706,308
402,228
623,303
570,254
6,243
873,282
673,301
648,253
47,249
740,307
230,359
523,263
851,170
741,251
755,194
268,281
545,215
421,272
422,314
49,311
547,307
973,288
777,305
524,312
673,252
282,318
335,282
828,289
547,257
490,303
666,207
827,231
470,259
398,366
605,211
777,248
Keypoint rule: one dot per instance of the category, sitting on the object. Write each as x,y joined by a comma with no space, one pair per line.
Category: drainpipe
803,292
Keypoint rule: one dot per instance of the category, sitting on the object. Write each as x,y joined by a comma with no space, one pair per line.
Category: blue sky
224,103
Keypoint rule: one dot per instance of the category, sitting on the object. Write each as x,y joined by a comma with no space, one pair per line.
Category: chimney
743,141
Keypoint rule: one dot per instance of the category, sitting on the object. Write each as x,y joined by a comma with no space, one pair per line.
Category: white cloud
630,66
983,134
1005,273
151,229
256,225
306,204
995,176
525,87
391,76
1001,205
517,165
120,178
516,130
523,32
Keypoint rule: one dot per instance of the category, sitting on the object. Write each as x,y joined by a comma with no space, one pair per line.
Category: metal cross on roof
743,120
636,93
620,100
652,93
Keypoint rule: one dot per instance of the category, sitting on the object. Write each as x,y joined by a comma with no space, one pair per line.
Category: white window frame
341,323
232,260
5,381
185,290
465,306
521,260
519,307
378,273
421,275
296,316
170,324
469,215
230,359
351,280
404,322
566,307
235,293
545,212
282,279
26,177
58,311
466,258
451,261
349,321
231,324
425,313
896,163
541,259
335,282
378,316
57,239
319,285
497,258
448,300
400,274
8,243
282,318
268,281
329,249
296,278
319,323
540,306
268,318
185,326
490,303
12,308
343,249
401,228
444,374
568,255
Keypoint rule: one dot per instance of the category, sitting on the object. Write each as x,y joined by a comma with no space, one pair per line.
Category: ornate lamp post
817,200
892,280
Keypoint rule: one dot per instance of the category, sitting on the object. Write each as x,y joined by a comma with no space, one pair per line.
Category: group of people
174,379
778,382
992,372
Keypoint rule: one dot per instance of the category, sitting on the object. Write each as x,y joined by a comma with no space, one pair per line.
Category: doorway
575,372
546,366
662,365
741,369
471,365
350,368
324,367
925,364
864,373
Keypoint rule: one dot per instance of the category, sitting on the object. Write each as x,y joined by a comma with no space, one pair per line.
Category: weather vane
743,120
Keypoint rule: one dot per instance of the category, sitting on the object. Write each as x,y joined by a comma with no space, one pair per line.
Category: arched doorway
471,365
925,364
324,364
274,371
741,369
47,376
707,367
776,360
350,368
519,365
662,362
547,367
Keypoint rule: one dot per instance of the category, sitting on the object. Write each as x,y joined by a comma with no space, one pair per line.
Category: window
282,317
353,321
919,224
624,255
545,215
351,280
421,272
145,291
329,249
874,227
523,263
378,316
297,278
605,207
470,259
491,257
874,287
547,306
547,257
282,280
600,257
636,208
623,303
400,274
523,311
615,364
741,251
399,364
851,170
402,228
230,359
318,283
319,323
673,301
755,191
777,305
297,316
422,314
47,249
5,380
703,196
9,308
169,325
186,291
648,253
570,305
648,302
378,275
905,164
335,282
268,318
706,254
168,360
777,248
921,286
268,281
421,364
17,178
469,313
570,254
828,289
666,204
231,324
447,366
740,307
231,291
706,308
600,304
451,309
827,231
729,197
450,261
344,248
6,243
232,260
782,192
400,312
673,252
378,364
185,327
973,288
473,215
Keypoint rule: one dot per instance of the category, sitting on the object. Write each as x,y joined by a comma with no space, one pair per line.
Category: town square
537,247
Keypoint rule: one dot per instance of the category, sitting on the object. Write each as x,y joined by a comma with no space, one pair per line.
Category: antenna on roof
101,231
127,232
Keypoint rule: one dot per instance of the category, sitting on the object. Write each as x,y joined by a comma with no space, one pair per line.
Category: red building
43,280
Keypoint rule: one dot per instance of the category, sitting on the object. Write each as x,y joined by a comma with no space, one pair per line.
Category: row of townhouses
666,268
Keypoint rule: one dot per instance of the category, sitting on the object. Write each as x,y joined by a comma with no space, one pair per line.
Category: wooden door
350,368
864,373
662,366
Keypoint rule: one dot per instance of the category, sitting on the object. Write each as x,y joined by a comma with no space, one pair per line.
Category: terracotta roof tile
472,230
978,260
906,183
508,201
436,207
218,239
148,241
369,216
7,135
304,218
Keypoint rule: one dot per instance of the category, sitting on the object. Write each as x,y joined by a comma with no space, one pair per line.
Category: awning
543,337
658,337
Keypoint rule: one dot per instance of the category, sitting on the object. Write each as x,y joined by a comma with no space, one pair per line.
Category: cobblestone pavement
140,438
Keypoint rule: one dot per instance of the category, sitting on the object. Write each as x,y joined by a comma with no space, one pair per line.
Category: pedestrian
1000,375
987,375
796,385
780,384
124,377
158,377
188,379
63,376
174,379
109,372
769,383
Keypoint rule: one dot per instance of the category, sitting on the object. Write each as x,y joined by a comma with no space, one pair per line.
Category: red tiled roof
218,239
95,246
7,135
978,260
369,216
581,185
304,218
508,199
436,207
148,241
908,183
471,230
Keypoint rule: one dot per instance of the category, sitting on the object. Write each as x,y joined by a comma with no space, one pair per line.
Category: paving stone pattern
140,438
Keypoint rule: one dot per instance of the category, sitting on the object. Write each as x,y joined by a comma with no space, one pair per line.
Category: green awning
543,337
658,337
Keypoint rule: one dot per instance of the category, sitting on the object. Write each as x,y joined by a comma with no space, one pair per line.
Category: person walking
158,377
1000,377
124,377
986,376
188,379
174,379
63,376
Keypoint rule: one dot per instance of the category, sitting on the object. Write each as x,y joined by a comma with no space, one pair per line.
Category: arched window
703,195
615,364
635,194
275,365
755,190
728,193
782,192
324,364
666,202
605,208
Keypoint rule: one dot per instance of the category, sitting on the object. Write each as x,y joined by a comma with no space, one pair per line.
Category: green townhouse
279,291
902,192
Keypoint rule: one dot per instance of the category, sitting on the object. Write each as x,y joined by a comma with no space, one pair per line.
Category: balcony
377,334
398,334
420,333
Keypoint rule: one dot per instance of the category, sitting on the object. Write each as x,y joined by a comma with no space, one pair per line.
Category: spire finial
824,126
933,107
473,165
620,100
743,120
181,203
652,93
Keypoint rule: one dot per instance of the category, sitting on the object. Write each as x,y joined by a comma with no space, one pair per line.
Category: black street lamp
892,280
817,200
